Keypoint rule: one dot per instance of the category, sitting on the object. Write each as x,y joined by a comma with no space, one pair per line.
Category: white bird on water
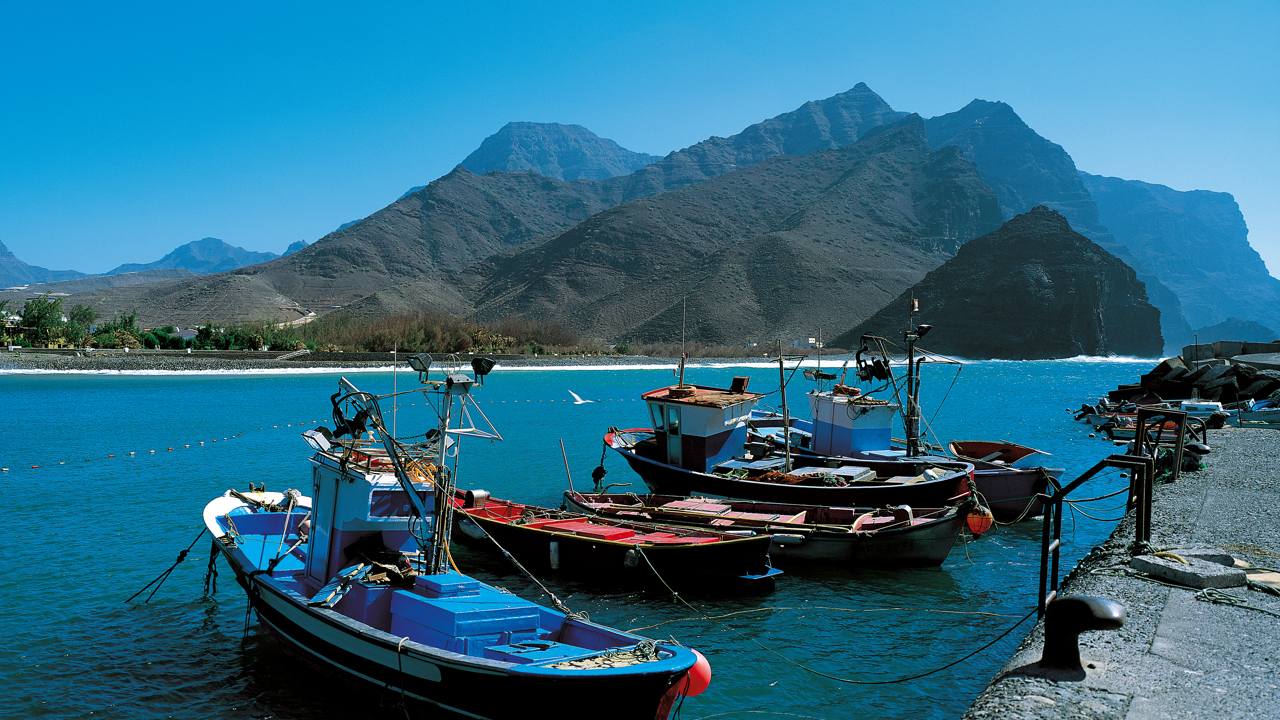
577,400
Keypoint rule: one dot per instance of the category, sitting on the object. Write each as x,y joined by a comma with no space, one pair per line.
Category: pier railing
1141,470
1154,432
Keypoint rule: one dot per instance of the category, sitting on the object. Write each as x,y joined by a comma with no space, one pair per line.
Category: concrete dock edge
1179,654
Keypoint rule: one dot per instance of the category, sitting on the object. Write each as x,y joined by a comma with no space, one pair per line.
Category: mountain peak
555,150
14,271
203,256
979,109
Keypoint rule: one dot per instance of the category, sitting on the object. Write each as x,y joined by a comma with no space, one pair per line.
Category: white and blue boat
358,575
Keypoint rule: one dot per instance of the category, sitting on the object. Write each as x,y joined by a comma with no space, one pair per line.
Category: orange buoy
979,520
698,679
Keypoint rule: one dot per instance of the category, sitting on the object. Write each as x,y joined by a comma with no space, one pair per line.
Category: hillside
1196,242
783,248
1033,289
563,152
16,272
411,247
407,255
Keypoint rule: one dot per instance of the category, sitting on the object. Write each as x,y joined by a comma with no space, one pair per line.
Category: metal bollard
1064,620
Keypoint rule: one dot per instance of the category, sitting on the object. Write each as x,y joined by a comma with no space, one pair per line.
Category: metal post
444,493
786,415
1044,555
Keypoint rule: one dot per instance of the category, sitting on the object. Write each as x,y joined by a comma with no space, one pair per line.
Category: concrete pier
1181,653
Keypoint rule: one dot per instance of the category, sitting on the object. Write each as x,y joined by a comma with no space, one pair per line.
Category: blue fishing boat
848,426
700,443
358,574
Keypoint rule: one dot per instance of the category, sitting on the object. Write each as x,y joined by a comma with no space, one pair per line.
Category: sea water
127,463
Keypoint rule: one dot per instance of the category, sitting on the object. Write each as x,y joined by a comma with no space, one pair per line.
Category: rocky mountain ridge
446,246
1196,242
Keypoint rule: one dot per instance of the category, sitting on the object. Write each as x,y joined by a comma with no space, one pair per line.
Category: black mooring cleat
1064,620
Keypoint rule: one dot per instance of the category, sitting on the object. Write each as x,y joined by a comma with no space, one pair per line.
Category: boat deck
449,612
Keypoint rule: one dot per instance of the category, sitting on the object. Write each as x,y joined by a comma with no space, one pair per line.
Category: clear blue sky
126,130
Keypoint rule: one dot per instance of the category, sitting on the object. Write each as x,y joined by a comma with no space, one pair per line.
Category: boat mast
684,353
911,418
786,415
444,489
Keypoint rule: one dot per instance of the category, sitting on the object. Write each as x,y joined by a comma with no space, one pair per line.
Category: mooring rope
160,579
826,608
848,681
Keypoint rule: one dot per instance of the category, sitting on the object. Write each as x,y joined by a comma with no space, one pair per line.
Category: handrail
1150,434
1141,474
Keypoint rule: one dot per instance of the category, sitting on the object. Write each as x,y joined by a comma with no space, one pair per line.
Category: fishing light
317,440
420,362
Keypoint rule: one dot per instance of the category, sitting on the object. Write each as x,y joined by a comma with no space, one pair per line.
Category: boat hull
663,479
1012,494
923,545
463,688
728,561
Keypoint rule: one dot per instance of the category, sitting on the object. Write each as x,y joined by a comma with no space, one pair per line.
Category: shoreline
164,363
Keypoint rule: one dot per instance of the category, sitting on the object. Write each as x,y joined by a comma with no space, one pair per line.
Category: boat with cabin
358,575
849,426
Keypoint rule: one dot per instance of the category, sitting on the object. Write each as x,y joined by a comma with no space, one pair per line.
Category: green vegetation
44,323
431,332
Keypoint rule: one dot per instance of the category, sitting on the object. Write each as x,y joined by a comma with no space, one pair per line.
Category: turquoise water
83,531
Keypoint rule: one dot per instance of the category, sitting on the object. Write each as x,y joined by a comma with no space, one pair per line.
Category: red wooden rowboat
855,537
614,549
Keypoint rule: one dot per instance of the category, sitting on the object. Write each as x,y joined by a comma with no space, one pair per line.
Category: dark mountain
1196,242
563,152
16,272
837,121
1026,171
795,243
1032,289
1236,329
294,247
202,257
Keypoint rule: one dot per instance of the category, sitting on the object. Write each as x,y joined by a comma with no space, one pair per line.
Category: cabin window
655,416
394,503
673,421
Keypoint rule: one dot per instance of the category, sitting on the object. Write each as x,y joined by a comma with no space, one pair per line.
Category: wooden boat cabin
698,427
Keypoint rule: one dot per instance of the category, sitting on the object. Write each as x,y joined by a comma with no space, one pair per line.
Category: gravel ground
135,361
1176,656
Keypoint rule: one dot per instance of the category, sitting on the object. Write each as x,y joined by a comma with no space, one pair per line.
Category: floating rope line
175,446
848,681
